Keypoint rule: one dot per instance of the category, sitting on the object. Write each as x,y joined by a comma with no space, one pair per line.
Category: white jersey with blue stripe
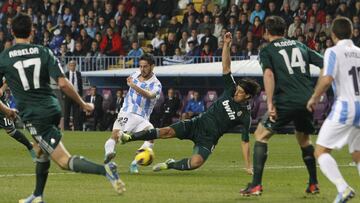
342,63
136,103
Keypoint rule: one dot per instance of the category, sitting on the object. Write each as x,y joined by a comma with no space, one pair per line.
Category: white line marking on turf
212,169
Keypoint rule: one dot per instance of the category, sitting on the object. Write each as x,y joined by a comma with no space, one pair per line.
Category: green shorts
204,142
7,124
302,118
45,132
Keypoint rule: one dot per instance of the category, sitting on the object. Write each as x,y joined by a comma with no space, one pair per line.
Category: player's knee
63,163
320,150
262,134
356,156
196,161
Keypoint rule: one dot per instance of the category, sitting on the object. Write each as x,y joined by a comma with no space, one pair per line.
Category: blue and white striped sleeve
330,63
155,88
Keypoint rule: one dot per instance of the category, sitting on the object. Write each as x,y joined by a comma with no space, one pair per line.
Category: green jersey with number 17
290,62
27,69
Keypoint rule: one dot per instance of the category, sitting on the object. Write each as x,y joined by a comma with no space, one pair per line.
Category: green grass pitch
219,180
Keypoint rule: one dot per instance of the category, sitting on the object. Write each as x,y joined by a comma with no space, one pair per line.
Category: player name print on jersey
22,52
228,109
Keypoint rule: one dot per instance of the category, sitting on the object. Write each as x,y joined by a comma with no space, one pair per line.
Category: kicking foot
345,196
108,157
32,199
124,138
163,166
113,176
134,169
312,189
251,190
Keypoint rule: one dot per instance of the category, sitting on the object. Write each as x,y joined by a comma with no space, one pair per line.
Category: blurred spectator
257,28
190,24
183,41
272,10
206,54
326,27
234,52
111,114
84,39
206,24
312,24
90,28
101,26
149,25
111,44
356,21
135,53
107,13
79,51
53,17
194,37
113,26
178,55
210,40
67,16
237,38
218,12
257,12
97,114
157,41
190,11
149,49
175,27
218,26
194,107
329,43
355,11
128,33
296,24
204,11
46,39
9,98
356,36
69,42
249,51
74,30
56,42
171,43
233,11
287,14
317,13
343,10
9,3
302,12
302,39
63,28
194,50
293,4
244,24
222,4
218,52
232,25
134,17
71,108
163,10
94,57
2,41
170,107
120,15
8,44
249,38
163,51
245,9
310,39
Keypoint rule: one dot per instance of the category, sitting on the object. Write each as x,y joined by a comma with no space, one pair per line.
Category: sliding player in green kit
230,110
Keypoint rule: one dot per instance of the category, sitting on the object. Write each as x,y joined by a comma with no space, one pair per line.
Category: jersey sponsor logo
228,109
23,52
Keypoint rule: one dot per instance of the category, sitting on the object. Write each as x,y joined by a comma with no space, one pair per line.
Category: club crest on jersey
239,113
228,109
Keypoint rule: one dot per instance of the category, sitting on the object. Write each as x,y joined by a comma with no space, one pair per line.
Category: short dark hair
149,58
275,25
250,86
342,28
21,26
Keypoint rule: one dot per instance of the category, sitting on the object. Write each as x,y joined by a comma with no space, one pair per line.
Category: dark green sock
42,171
260,156
309,160
145,135
82,165
182,165
20,137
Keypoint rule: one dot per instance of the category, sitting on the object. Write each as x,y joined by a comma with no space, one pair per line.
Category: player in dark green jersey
9,127
27,69
230,110
288,87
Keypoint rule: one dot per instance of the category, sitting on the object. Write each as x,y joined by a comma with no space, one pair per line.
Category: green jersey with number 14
289,60
27,69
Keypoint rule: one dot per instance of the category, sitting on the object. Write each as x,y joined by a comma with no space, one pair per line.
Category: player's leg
151,134
333,135
200,154
10,129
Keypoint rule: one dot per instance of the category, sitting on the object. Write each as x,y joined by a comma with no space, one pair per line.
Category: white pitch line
205,168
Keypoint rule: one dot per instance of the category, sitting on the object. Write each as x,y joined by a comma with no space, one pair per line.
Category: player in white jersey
144,91
342,126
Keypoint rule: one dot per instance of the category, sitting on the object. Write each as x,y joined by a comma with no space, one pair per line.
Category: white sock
109,146
134,162
330,169
147,144
358,167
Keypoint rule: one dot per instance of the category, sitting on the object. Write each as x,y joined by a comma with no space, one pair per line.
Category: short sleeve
315,58
229,84
265,60
330,63
54,66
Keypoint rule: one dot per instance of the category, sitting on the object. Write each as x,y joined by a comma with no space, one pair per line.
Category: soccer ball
144,156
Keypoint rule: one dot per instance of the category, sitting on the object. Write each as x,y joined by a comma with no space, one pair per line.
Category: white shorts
335,135
130,122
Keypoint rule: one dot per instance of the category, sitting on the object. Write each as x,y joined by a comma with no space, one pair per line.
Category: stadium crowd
175,28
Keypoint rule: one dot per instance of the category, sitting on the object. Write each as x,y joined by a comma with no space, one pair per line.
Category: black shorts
204,142
302,118
7,124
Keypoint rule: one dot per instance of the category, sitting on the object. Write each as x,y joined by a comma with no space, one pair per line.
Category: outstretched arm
226,61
